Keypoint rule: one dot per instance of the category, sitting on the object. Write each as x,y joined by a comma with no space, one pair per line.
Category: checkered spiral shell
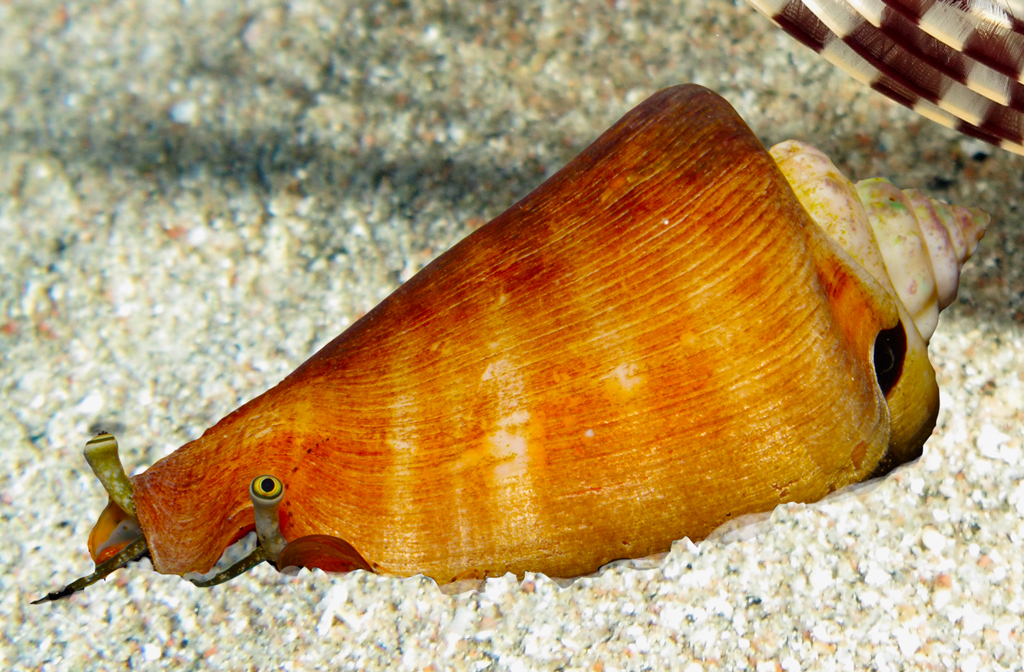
956,62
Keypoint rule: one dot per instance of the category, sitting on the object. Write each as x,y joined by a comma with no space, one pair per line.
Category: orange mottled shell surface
655,340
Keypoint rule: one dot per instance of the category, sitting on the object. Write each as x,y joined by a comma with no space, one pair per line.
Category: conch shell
959,63
676,329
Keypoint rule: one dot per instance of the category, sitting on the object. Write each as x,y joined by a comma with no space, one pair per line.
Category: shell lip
324,552
114,530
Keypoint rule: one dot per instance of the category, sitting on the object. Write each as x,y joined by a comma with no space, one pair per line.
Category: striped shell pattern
956,62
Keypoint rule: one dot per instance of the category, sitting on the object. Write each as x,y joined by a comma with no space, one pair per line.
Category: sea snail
656,340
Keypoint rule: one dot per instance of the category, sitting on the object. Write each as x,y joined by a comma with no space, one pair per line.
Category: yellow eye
101,440
266,487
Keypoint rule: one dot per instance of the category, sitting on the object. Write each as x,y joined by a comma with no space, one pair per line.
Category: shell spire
900,239
915,246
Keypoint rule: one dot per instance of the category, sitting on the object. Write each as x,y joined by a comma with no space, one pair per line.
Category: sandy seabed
196,196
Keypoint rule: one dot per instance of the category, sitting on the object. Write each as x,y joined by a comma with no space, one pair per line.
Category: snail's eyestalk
101,454
131,552
266,493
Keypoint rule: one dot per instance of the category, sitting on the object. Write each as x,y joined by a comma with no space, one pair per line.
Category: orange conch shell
656,340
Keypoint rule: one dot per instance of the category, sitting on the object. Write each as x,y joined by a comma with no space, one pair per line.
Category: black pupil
267,485
890,350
